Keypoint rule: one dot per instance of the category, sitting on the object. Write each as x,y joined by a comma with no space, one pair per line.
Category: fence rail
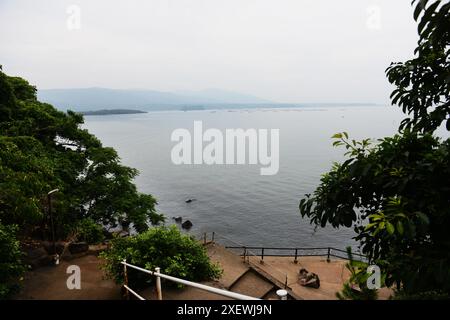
297,252
160,275
294,251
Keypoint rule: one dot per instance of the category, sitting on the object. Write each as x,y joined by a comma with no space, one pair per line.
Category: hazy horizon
289,51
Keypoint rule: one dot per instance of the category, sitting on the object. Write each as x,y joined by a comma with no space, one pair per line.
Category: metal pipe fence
160,276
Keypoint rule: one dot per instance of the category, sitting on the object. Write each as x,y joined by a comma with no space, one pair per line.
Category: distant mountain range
92,99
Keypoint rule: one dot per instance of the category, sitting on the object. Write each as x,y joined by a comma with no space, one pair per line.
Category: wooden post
125,275
296,254
245,253
328,254
262,256
158,284
213,234
204,238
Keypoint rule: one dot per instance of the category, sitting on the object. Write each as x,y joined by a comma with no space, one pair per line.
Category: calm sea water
235,200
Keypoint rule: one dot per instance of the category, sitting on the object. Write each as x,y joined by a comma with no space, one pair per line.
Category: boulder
43,261
35,253
37,257
97,248
187,224
48,245
78,247
178,219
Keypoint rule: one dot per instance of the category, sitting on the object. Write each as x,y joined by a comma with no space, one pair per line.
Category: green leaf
400,227
423,217
419,7
370,225
390,228
337,136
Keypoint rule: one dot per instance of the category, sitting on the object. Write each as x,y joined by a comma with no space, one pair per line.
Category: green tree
42,149
423,83
395,194
176,254
11,267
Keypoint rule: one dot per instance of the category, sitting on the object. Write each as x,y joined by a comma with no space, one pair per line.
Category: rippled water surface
235,200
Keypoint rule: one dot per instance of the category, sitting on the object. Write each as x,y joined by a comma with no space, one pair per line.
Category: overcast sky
280,50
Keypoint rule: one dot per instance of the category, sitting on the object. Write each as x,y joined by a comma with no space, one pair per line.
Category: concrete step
252,284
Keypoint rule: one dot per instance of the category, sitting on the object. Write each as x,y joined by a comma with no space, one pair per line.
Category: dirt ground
50,283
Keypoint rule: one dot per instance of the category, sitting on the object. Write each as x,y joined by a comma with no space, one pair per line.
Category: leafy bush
356,286
165,247
396,194
90,231
11,267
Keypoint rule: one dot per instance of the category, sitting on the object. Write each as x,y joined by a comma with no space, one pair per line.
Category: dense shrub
176,254
11,267
90,231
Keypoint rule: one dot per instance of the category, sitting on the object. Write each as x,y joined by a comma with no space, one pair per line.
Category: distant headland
105,112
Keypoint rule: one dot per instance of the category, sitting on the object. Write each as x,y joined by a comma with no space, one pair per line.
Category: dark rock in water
78,247
189,200
187,224
177,219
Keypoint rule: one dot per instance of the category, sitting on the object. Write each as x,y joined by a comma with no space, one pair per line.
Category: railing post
245,253
158,284
296,253
262,256
328,254
204,238
125,276
286,283
213,234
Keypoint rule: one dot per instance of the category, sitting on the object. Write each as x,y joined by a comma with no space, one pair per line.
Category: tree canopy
43,149
395,192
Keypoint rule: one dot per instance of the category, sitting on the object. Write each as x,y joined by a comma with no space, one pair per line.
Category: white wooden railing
159,275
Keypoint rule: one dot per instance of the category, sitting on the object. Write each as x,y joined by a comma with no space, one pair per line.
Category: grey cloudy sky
281,50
